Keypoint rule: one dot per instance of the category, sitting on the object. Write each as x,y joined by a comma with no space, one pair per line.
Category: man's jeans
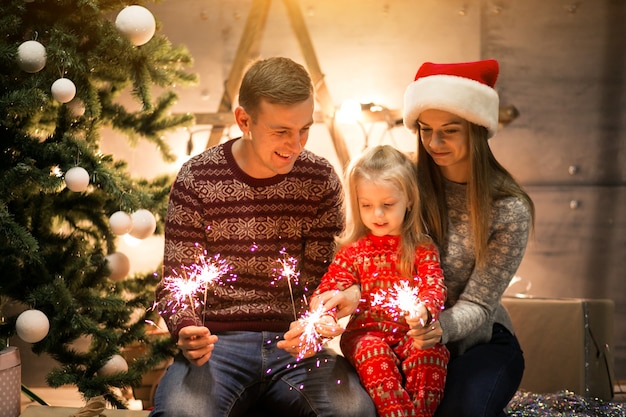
248,373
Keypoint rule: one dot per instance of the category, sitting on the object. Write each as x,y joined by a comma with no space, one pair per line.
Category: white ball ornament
144,224
32,326
120,223
114,365
77,179
31,56
76,107
136,23
63,90
119,266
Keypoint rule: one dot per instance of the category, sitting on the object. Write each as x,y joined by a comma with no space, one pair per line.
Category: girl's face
382,207
445,137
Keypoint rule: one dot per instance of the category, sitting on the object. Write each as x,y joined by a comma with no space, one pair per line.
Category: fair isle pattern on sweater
475,293
215,208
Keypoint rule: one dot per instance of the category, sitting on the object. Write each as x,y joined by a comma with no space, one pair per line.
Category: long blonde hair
385,164
488,181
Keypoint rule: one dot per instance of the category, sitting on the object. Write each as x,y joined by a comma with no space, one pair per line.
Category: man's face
276,138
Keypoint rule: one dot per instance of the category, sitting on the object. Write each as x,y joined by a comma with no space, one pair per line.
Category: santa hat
465,89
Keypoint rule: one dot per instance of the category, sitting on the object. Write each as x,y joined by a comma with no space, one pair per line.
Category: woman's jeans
482,380
248,373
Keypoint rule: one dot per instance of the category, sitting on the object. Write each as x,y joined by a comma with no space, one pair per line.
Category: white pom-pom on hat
465,89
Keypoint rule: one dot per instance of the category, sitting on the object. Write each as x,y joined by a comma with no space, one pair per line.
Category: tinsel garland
562,404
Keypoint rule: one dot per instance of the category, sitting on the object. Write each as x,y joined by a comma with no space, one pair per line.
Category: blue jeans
482,380
247,374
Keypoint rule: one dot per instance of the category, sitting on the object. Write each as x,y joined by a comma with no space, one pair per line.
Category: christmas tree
64,64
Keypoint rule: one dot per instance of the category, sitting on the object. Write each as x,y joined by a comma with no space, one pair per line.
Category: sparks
288,270
184,290
401,298
311,339
210,272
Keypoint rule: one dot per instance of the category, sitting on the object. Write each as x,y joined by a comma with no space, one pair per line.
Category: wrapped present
10,382
567,344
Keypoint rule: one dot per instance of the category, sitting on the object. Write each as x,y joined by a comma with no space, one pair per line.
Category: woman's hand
425,337
196,344
345,302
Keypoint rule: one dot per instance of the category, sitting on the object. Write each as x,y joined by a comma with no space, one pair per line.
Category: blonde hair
387,165
487,182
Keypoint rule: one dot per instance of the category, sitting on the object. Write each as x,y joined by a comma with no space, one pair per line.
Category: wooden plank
248,49
322,93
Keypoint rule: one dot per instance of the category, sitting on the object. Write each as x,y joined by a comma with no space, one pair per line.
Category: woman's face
445,137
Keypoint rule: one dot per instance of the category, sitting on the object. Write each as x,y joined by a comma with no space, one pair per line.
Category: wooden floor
69,397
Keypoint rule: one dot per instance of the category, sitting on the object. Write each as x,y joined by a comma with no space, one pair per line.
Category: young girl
384,249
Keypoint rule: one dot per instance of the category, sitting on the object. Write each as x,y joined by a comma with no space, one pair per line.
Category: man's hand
196,343
291,341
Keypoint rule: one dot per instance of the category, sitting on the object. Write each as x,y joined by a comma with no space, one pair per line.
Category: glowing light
197,279
184,290
401,299
311,339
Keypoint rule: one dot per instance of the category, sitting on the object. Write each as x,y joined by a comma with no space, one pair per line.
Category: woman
480,218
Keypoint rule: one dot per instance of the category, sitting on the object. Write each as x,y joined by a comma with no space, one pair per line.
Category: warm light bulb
349,112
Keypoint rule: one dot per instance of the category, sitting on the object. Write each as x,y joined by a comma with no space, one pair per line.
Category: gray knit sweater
474,293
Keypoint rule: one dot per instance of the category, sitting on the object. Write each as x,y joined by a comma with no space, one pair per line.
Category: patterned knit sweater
371,262
475,293
217,209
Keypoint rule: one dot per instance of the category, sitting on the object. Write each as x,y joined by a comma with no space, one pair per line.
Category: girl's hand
346,301
328,327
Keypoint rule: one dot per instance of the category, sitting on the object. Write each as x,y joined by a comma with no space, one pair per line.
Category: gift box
567,344
10,382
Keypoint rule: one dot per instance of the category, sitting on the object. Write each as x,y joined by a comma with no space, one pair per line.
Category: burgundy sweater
251,224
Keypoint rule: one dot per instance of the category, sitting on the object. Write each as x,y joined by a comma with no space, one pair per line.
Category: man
258,202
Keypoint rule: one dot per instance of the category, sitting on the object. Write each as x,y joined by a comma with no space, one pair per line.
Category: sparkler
288,270
401,297
184,290
311,339
209,273
196,279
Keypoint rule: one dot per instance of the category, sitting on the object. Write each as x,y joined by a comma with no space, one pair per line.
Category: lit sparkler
184,290
401,297
209,272
196,279
288,270
311,339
